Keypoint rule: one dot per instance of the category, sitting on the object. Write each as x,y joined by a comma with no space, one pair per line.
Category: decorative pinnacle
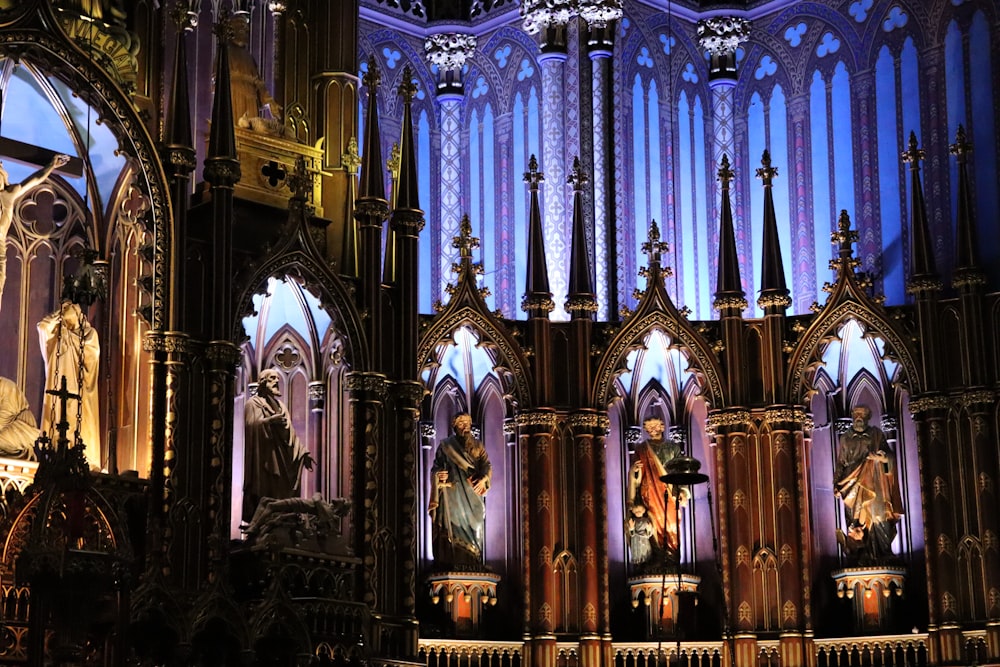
725,173
351,159
844,235
394,160
300,179
577,176
961,147
654,247
533,177
767,173
913,154
407,87
465,242
184,16
372,77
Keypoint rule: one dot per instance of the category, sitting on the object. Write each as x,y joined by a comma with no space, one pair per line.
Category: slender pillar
551,26
864,124
538,444
601,20
804,260
720,37
449,52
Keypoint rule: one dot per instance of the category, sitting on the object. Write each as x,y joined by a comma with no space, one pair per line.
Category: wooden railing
884,651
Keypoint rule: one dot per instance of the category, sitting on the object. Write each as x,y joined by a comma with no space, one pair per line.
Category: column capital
449,52
721,36
537,15
600,16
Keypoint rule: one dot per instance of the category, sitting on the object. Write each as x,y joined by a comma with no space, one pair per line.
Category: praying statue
658,501
273,454
865,480
71,349
10,194
18,428
460,478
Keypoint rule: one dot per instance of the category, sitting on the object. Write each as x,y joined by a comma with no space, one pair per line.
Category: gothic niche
290,435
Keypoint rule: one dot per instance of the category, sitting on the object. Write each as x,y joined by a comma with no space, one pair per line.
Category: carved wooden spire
371,189
923,271
729,295
581,301
773,290
537,300
967,267
222,137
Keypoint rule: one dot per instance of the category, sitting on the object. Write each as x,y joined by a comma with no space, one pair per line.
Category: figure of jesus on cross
10,194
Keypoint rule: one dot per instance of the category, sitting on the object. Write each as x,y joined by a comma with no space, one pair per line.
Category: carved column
506,296
584,425
792,539
944,634
550,19
449,52
332,46
601,17
803,250
222,357
981,405
864,123
720,37
736,539
539,461
316,428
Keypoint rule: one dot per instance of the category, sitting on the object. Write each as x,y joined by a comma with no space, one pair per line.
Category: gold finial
844,235
577,176
961,147
654,247
351,159
725,173
465,241
372,76
394,160
407,87
766,172
533,177
912,155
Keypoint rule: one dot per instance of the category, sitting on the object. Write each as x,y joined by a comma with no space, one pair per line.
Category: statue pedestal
873,590
665,613
464,596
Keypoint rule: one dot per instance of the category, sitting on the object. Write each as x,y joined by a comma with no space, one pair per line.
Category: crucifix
62,426
35,156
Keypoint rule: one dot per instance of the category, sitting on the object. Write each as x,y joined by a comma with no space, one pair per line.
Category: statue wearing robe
18,428
460,478
273,454
659,499
71,348
865,480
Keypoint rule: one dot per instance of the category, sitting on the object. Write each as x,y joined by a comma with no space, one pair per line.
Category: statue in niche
273,454
641,535
254,108
72,350
460,478
865,480
10,194
18,428
658,501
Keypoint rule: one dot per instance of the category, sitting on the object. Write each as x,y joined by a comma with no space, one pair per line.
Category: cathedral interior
499,333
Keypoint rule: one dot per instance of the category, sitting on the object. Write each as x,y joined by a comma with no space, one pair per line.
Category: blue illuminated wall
831,90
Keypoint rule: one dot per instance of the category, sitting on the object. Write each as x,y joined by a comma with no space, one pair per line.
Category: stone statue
10,194
659,500
71,348
460,478
273,454
303,523
865,480
641,534
18,428
254,108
